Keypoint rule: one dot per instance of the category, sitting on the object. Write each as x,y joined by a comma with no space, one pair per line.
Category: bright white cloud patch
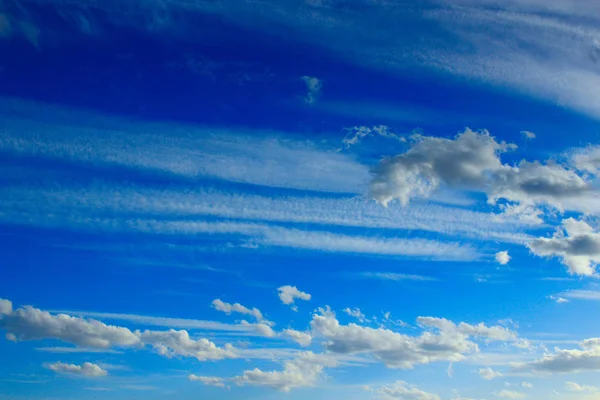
400,390
302,338
587,358
502,257
5,307
472,161
313,87
489,374
228,308
576,244
303,371
510,394
87,369
528,134
575,387
173,343
207,380
289,294
356,313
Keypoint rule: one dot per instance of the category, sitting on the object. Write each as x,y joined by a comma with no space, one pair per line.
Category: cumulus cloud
263,328
29,323
313,86
356,313
302,338
528,134
575,387
576,244
288,294
303,371
587,358
489,374
87,369
208,380
558,299
472,161
587,160
228,308
355,134
502,257
5,307
400,390
173,343
510,394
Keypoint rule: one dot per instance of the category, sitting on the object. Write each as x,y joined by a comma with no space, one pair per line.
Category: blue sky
293,199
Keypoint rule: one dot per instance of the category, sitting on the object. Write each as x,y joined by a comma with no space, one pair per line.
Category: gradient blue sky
299,199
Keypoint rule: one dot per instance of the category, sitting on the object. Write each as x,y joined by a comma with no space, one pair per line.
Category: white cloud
303,371
528,134
394,276
355,134
288,294
575,387
587,358
472,161
5,307
582,295
489,374
263,328
576,244
208,380
558,299
87,369
356,313
510,394
314,87
228,308
178,343
399,390
302,338
527,385
587,160
502,257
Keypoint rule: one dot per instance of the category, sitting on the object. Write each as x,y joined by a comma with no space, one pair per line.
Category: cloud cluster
400,390
208,380
472,161
313,86
87,369
489,374
302,338
587,358
29,323
288,295
576,244
502,257
228,308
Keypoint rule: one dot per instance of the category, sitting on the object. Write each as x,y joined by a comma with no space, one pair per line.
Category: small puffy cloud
262,328
356,313
586,358
489,374
208,380
173,343
528,134
527,385
302,338
510,394
5,307
558,299
303,371
471,161
288,294
576,244
575,387
228,308
401,391
502,257
587,160
314,86
87,369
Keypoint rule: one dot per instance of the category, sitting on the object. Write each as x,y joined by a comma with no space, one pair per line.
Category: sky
365,200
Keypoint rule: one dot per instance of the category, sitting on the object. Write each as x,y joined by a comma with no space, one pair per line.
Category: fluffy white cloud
489,374
472,161
575,387
263,328
178,343
510,394
558,299
313,87
356,313
228,308
305,370
28,323
288,294
576,244
491,333
528,134
302,338
502,257
587,160
568,361
399,390
208,380
86,369
5,307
